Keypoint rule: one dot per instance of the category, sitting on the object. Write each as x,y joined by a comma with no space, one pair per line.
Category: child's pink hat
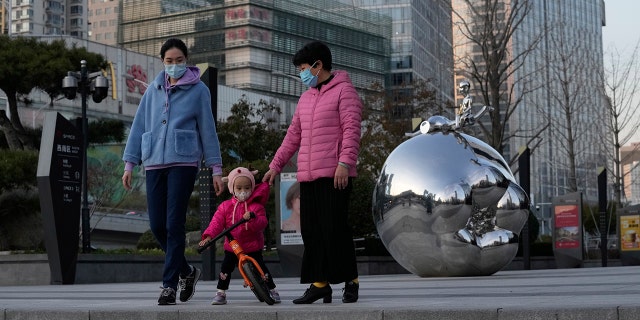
241,172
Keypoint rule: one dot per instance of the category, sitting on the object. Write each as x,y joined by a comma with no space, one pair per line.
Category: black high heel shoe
350,294
314,293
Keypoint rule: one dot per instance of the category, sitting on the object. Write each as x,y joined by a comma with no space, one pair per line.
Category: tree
34,65
572,105
106,130
250,133
386,118
487,29
384,125
621,85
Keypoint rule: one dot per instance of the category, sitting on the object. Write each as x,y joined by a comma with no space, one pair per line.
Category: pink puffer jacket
325,130
250,235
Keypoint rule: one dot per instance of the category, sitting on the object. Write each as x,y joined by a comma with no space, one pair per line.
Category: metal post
208,203
524,168
602,204
86,224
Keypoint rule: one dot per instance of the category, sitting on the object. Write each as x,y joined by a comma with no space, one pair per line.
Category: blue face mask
175,71
308,78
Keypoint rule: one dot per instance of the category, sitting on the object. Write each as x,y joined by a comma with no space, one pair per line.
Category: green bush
192,223
360,211
18,169
147,241
20,221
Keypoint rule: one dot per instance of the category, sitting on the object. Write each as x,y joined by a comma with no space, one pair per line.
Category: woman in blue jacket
172,132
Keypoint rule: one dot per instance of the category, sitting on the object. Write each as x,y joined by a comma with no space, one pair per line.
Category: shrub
18,169
20,221
147,241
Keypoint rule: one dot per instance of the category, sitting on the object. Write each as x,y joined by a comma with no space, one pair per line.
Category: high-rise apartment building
51,17
557,88
103,21
251,42
5,14
421,43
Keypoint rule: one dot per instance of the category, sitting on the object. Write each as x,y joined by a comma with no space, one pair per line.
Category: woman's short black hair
312,52
174,43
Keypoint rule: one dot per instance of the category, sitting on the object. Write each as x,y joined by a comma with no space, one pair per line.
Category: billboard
630,232
567,226
290,209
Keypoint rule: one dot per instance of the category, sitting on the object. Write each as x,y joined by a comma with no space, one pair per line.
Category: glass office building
251,42
421,43
558,80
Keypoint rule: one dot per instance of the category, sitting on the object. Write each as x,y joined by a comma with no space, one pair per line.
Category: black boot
314,293
350,294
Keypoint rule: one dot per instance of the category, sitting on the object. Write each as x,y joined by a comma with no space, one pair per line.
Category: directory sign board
59,186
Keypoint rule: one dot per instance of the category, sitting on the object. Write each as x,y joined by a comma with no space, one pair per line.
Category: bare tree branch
489,59
621,85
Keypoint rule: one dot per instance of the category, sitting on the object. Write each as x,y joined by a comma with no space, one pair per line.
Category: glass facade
251,42
421,43
556,87
566,66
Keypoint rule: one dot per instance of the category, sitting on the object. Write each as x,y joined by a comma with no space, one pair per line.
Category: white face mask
242,196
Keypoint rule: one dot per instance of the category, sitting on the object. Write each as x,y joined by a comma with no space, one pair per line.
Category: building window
76,9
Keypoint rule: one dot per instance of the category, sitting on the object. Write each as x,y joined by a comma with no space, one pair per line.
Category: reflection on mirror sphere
447,204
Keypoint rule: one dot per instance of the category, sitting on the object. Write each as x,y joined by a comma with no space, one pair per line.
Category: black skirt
329,253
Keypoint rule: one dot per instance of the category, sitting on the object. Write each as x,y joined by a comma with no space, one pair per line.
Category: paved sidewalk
586,294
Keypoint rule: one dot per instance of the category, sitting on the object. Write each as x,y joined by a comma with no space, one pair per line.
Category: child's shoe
220,298
275,295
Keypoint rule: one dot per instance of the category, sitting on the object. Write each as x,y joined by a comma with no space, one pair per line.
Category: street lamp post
98,85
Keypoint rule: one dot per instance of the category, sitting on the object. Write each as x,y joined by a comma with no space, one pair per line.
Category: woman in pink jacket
247,197
325,131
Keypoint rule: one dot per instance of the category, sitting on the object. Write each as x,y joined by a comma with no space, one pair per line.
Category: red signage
567,226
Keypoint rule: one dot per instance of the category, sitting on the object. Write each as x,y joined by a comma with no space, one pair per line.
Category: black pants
329,253
230,262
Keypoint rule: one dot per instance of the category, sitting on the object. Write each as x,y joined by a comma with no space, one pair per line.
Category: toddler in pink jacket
247,197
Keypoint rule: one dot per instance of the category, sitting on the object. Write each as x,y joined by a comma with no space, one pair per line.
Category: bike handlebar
225,232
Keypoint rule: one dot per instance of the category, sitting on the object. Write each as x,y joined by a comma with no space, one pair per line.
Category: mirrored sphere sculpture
447,204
